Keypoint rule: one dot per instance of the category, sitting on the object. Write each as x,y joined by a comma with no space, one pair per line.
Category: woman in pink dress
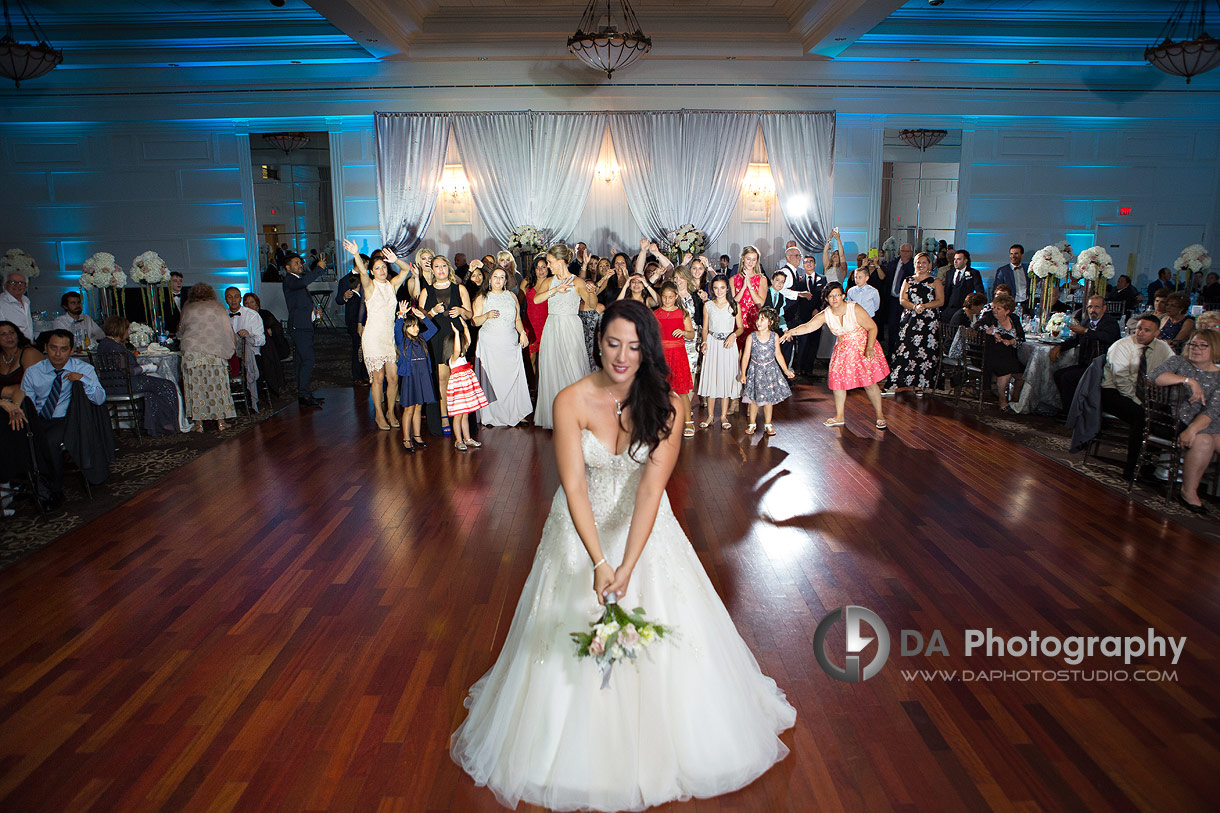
535,312
857,360
749,291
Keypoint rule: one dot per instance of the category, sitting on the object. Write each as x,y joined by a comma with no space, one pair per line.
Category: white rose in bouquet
1049,262
1193,258
18,261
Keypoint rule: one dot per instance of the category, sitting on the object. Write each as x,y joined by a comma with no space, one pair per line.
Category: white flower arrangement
526,239
1093,263
1193,258
890,245
19,262
1056,323
687,239
149,269
1065,248
141,334
931,245
1049,262
99,271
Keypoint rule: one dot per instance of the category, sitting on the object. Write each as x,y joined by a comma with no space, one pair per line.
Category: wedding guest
960,281
590,314
1209,296
1199,415
562,359
17,354
177,299
1176,326
461,267
498,353
639,290
1208,320
1158,303
463,395
692,304
863,294
676,328
275,349
160,394
15,304
897,272
76,321
48,386
412,330
505,260
208,343
1128,362
718,379
1003,332
700,283
612,284
969,312
833,264
749,289
1196,283
1123,291
444,301
915,356
300,322
763,372
1015,274
1093,335
535,309
804,295
857,360
1163,281
247,324
349,295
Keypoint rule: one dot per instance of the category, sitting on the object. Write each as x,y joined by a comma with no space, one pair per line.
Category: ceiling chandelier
287,141
922,139
20,60
609,36
1192,55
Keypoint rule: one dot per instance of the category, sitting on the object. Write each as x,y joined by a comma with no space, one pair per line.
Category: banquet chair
974,351
1117,309
123,403
949,360
238,386
1160,433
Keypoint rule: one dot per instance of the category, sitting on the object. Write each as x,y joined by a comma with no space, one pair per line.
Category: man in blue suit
300,322
1015,275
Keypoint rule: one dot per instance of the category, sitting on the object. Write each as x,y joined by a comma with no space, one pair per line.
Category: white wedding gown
694,716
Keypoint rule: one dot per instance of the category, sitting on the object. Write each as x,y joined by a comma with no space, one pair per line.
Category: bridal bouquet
17,261
1193,258
616,636
1094,263
686,239
526,239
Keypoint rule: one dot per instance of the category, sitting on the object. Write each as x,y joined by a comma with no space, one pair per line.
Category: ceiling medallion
922,139
609,37
20,61
1192,55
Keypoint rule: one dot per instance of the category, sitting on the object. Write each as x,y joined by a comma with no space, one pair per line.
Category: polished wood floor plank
291,621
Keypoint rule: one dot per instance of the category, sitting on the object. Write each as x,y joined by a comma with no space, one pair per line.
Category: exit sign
1124,210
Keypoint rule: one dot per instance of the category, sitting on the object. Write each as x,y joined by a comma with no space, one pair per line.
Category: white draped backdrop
537,169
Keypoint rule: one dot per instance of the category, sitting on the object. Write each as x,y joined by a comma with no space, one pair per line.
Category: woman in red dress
535,312
676,328
750,291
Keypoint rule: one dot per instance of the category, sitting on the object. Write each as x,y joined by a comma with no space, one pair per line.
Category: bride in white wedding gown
694,715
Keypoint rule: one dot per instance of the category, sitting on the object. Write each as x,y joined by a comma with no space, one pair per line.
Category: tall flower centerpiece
525,242
1094,266
19,262
1193,258
685,239
152,274
1049,267
889,248
101,273
931,245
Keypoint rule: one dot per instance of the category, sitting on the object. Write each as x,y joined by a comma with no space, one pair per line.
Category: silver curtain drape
410,159
683,167
529,168
801,150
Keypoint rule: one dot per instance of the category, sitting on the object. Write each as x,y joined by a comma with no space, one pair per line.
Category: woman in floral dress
915,356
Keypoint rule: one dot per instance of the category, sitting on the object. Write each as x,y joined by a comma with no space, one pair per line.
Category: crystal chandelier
287,141
453,182
1192,55
922,139
609,36
20,60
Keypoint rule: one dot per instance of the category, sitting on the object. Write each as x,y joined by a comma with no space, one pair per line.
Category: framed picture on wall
755,208
456,211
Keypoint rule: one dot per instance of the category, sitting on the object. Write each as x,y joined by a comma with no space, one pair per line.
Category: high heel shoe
446,427
419,442
406,444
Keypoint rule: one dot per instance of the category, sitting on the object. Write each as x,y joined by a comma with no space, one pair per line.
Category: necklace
12,358
618,405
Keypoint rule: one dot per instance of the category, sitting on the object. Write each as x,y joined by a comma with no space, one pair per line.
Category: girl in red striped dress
463,395
676,328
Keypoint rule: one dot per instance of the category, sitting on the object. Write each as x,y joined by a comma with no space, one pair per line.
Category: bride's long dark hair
652,413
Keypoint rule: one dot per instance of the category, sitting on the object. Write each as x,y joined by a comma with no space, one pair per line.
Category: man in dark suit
300,322
896,272
177,298
797,300
1164,279
1094,335
350,295
960,281
1015,275
1124,292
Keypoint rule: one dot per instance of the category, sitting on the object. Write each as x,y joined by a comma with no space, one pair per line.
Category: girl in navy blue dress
412,330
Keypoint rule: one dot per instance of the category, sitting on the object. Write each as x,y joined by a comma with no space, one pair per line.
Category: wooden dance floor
291,621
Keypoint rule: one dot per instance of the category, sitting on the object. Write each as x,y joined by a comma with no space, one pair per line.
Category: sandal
768,429
461,447
474,443
410,447
881,424
725,424
196,427
750,429
705,424
833,422
689,431
220,426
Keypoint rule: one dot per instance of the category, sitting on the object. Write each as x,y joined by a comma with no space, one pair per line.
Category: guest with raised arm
463,392
412,330
834,266
501,338
377,340
444,300
349,295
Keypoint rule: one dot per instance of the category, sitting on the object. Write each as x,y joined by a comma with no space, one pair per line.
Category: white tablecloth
169,367
1040,394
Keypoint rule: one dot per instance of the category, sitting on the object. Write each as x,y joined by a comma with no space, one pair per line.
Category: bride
694,715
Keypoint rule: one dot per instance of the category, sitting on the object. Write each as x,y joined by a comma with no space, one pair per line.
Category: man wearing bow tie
177,298
960,281
247,324
1097,331
798,306
1015,275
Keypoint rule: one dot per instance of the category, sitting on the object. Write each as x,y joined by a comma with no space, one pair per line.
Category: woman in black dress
444,301
915,358
1003,334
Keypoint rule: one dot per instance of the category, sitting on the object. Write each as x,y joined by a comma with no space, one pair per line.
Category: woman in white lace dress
695,716
561,352
377,340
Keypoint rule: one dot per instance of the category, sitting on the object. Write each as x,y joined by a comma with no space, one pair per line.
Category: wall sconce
453,181
758,182
606,172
